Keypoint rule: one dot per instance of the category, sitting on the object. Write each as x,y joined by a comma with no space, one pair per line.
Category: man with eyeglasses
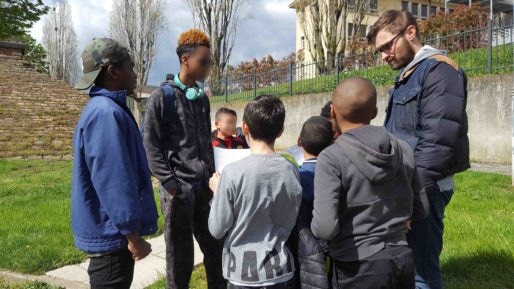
427,109
177,139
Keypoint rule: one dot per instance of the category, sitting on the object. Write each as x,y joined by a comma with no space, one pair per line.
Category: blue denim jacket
112,192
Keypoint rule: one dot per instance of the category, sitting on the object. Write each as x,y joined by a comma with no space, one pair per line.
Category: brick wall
37,114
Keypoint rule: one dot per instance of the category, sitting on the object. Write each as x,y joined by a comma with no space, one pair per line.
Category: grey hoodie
365,187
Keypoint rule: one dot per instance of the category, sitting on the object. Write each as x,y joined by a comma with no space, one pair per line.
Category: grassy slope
473,61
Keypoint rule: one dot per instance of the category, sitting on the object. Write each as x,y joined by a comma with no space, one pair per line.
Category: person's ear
411,32
375,113
246,130
184,59
112,72
333,113
299,142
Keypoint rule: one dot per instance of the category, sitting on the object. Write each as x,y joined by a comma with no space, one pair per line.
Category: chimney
12,49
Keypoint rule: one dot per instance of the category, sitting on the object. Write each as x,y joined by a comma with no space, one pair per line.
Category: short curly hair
190,40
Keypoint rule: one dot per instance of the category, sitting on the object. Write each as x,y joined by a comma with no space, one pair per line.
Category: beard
402,58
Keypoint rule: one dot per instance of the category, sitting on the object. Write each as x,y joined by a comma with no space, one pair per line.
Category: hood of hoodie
424,53
378,157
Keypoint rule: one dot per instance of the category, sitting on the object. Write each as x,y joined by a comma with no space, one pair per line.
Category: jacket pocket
405,110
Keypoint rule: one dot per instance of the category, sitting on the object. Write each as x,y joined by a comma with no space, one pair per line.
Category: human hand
213,182
407,225
138,246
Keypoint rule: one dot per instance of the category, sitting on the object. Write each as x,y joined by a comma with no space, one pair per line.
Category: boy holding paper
255,205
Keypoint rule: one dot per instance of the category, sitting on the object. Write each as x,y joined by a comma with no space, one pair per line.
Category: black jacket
177,139
427,109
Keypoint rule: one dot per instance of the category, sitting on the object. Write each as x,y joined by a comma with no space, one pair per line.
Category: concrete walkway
492,168
147,271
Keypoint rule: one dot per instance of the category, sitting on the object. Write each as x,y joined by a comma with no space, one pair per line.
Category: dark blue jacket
112,192
427,109
311,255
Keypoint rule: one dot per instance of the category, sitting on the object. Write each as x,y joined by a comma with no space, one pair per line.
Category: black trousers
111,271
186,215
391,268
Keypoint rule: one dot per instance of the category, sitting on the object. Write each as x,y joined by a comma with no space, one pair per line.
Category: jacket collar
119,96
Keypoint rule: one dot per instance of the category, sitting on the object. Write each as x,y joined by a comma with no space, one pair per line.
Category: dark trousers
391,268
111,271
186,215
291,284
426,241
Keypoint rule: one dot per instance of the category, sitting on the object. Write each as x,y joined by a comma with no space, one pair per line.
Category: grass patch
26,285
36,231
198,280
473,61
35,213
479,235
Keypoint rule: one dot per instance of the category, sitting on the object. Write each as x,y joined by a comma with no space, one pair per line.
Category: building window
303,42
414,9
433,10
405,6
360,34
373,5
424,11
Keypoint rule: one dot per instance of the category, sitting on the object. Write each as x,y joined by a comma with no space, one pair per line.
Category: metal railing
483,50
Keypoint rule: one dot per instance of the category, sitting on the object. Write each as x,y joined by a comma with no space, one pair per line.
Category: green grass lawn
35,216
36,233
479,236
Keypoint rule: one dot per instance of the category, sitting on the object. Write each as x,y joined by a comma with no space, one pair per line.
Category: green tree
17,16
35,53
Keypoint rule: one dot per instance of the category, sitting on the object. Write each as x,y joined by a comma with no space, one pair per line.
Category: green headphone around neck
192,93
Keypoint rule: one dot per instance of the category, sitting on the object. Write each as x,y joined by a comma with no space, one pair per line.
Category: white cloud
269,30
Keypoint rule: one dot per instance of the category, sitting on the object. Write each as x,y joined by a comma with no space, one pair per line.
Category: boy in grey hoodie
366,189
256,204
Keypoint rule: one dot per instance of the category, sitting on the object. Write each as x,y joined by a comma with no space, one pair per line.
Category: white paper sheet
223,157
297,153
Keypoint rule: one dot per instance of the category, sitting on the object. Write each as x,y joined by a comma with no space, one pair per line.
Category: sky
268,27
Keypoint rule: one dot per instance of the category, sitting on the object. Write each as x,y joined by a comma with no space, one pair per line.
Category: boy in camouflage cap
112,196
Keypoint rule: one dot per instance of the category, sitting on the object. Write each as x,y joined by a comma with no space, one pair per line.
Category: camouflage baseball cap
98,54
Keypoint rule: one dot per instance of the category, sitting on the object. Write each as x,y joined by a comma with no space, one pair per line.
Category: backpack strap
169,99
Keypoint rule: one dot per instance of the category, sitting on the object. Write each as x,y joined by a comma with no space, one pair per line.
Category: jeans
390,268
186,215
111,271
426,241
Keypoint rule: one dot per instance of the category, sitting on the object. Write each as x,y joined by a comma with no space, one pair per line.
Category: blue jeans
426,241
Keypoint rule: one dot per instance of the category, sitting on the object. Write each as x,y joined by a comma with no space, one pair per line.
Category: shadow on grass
484,270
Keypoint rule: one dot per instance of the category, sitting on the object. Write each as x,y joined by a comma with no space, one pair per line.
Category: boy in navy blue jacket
315,136
112,196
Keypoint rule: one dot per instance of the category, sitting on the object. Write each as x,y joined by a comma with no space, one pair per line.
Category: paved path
492,168
147,271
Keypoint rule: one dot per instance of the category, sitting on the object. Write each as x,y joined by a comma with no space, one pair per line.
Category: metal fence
483,50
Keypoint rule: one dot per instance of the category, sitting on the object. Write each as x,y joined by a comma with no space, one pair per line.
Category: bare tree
359,9
324,26
136,24
219,19
60,42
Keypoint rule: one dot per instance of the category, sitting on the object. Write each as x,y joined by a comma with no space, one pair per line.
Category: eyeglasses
387,46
